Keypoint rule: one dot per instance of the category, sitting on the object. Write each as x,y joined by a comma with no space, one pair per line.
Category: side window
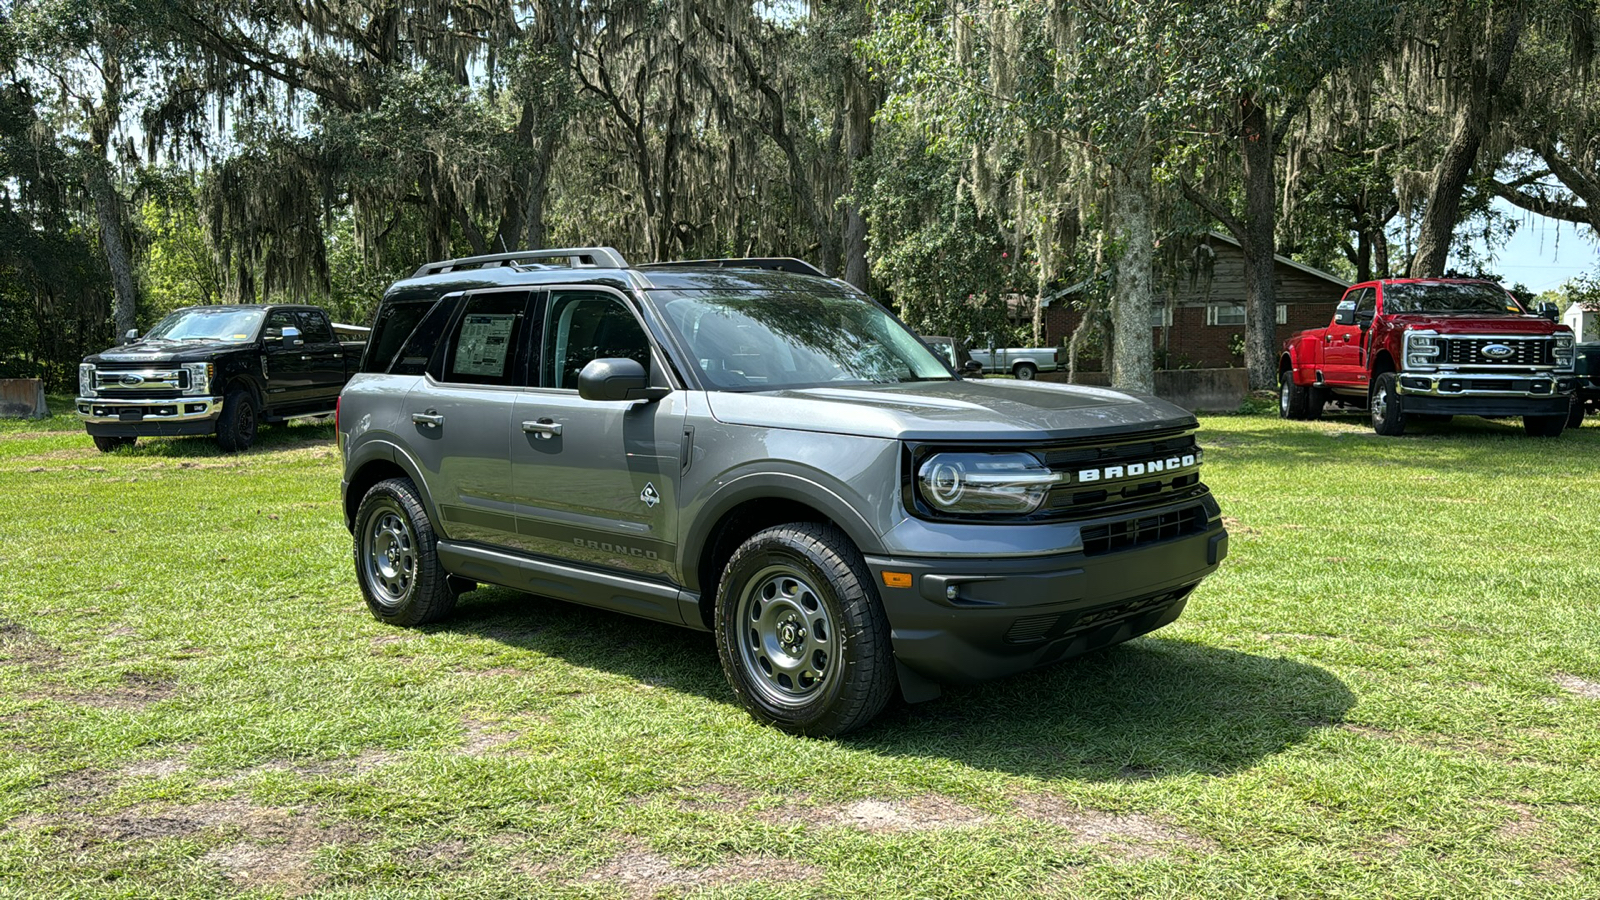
423,344
314,326
394,323
277,321
488,342
1367,302
582,327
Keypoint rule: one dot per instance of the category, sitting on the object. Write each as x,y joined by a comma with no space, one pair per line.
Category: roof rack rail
576,257
775,263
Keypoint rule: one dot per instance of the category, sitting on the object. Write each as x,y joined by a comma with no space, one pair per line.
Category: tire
236,427
801,633
1388,410
1544,426
397,563
1575,414
1294,400
1024,371
1316,400
108,443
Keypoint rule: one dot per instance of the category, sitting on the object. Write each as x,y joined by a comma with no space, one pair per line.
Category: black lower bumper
150,428
1427,404
967,620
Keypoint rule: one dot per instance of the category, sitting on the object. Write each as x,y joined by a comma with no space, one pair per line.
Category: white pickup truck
1023,362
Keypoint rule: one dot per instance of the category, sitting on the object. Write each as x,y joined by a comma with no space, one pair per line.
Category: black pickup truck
219,370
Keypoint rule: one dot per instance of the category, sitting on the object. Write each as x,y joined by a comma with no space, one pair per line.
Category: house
1195,328
1585,323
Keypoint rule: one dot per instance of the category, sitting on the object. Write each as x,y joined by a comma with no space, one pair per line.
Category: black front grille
1468,351
1122,476
1138,532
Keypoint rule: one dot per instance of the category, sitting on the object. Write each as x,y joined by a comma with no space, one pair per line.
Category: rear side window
394,324
423,344
488,344
314,328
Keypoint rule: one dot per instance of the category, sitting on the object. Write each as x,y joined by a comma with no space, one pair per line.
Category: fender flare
379,449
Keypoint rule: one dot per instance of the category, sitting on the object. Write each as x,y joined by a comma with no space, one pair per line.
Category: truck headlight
199,377
86,379
1564,352
1422,351
985,483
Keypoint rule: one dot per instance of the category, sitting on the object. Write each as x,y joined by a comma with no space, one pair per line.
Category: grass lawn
1391,688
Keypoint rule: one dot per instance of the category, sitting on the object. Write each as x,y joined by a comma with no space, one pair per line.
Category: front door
1343,361
324,359
596,482
286,370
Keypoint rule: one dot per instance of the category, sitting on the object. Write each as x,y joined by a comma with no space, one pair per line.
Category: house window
1233,314
1161,316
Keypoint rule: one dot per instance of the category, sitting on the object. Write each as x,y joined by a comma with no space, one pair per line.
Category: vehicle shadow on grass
1153,707
293,435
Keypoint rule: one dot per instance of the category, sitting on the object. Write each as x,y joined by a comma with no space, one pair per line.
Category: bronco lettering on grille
1140,469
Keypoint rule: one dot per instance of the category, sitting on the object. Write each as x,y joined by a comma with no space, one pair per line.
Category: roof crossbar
775,263
576,257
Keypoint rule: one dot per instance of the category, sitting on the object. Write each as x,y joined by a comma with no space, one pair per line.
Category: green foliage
178,268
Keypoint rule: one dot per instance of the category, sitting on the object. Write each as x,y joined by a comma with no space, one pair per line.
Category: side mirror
131,336
288,339
1345,314
972,369
616,379
1548,310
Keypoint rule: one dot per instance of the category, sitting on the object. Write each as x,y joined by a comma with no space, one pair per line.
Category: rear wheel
1025,371
801,633
396,561
107,443
1388,410
1544,426
1294,400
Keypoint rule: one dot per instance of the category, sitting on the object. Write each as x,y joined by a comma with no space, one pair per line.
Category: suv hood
165,352
1478,323
1001,410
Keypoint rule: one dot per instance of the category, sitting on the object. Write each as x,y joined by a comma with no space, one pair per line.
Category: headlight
86,379
1422,350
985,483
1564,350
199,377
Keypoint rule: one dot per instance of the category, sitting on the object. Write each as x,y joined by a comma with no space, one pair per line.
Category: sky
1544,252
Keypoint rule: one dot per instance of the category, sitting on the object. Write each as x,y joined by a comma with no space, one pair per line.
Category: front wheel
1388,411
1575,414
1544,426
1025,371
801,633
106,443
236,427
397,564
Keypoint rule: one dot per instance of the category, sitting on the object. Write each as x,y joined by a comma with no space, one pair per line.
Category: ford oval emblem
132,380
1497,351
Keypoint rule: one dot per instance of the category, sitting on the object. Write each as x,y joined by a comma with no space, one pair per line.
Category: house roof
1279,257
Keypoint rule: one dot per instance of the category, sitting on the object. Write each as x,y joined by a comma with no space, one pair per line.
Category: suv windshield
217,323
1441,297
764,340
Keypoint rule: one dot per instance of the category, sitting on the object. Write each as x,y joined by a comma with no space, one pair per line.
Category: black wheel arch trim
379,450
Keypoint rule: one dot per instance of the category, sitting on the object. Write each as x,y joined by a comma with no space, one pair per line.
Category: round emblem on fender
132,380
1497,351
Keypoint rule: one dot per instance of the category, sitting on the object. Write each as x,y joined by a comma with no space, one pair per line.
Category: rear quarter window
394,324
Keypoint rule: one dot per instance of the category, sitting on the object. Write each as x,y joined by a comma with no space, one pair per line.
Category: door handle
543,430
430,419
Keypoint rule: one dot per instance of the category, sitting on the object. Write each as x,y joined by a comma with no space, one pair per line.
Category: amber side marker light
897,579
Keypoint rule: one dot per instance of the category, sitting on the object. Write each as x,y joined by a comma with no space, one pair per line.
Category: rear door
324,357
597,482
460,414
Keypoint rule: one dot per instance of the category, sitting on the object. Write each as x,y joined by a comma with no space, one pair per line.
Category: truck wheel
801,633
1293,399
106,443
1544,426
1024,371
1388,412
1575,414
236,427
396,561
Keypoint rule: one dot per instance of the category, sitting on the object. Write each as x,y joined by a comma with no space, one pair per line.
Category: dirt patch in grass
642,873
21,647
1132,835
342,767
1237,528
1581,687
1523,824
929,812
165,767
438,856
721,798
483,738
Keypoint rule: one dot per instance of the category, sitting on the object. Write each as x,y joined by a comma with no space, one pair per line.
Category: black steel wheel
236,427
801,632
396,561
1576,413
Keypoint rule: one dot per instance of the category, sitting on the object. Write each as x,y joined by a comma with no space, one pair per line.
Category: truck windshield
217,323
1441,297
764,340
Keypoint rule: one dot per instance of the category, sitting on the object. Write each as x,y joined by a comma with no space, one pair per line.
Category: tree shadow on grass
1153,707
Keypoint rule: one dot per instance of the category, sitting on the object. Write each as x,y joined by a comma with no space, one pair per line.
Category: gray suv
751,448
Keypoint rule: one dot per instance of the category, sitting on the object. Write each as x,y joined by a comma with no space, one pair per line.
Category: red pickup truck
1429,349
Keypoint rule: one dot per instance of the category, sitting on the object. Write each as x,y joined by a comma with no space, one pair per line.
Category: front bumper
125,416
1487,394
967,620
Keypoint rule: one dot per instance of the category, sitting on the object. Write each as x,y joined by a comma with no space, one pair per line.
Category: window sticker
484,342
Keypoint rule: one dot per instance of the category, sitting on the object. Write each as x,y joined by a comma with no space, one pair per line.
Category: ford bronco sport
750,448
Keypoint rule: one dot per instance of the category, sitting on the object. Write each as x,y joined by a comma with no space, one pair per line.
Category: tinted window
278,320
486,343
314,326
1367,300
394,324
421,347
584,327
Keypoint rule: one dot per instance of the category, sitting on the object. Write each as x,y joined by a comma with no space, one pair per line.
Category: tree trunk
1471,124
1257,242
108,214
1133,366
863,99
